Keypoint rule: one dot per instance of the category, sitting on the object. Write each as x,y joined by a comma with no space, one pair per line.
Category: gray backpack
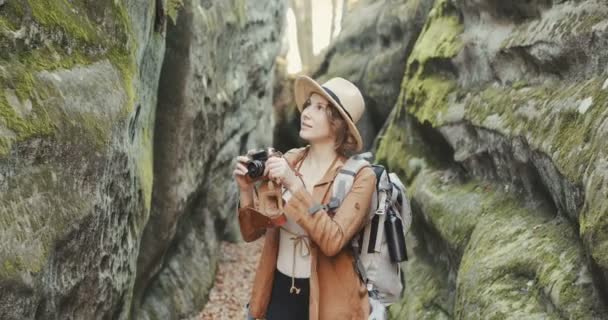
383,276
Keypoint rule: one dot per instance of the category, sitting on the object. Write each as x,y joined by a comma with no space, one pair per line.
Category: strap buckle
315,208
334,203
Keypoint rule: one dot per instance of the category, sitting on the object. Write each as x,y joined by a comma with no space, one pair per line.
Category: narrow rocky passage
233,281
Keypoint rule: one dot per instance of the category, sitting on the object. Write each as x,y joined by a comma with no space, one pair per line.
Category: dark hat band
333,95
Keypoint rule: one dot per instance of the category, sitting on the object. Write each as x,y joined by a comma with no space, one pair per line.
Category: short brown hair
346,145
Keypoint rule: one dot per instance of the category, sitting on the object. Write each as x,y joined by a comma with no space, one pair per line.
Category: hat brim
304,86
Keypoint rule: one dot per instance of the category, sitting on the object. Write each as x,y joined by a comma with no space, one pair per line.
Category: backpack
382,275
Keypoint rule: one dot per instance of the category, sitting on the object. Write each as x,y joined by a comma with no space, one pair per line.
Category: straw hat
341,93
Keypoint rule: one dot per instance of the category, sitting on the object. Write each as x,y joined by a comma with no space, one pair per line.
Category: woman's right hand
240,173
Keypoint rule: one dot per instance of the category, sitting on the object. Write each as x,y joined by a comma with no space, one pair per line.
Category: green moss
587,21
440,36
548,116
519,84
28,226
426,292
42,121
72,18
11,13
5,145
9,268
404,148
36,124
558,128
240,12
21,73
71,39
494,276
123,56
124,60
594,219
575,23
46,120
398,154
66,16
427,97
146,165
393,150
211,19
489,228
49,59
173,7
5,26
93,129
13,265
425,94
454,224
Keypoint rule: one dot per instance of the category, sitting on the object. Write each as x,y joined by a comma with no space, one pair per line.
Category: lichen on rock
523,114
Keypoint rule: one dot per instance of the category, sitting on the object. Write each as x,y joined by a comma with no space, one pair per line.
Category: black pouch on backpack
395,239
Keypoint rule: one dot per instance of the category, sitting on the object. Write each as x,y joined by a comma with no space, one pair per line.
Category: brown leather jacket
336,291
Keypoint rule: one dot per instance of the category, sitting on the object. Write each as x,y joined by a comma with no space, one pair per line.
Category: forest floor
233,281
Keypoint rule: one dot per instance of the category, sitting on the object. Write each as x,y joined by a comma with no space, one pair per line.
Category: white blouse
294,251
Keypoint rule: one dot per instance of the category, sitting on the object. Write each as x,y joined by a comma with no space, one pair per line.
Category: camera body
257,162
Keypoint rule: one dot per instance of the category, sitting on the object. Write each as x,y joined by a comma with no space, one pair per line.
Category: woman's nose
305,114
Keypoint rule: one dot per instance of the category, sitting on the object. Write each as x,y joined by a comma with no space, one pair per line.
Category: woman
307,269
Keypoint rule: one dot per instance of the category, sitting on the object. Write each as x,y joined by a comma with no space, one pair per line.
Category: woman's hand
278,169
240,174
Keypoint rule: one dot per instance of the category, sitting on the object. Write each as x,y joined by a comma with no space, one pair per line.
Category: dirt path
233,281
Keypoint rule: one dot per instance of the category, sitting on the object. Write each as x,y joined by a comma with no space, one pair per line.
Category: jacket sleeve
332,234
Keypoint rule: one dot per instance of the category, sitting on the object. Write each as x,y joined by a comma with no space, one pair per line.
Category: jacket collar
329,176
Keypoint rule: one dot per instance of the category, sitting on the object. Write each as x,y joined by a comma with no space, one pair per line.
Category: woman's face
314,121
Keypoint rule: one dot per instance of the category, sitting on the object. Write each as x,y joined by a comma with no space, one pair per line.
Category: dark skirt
285,305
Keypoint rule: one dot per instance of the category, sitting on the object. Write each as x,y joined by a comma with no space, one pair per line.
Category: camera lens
255,168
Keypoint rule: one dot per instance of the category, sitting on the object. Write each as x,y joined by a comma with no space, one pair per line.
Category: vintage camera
257,164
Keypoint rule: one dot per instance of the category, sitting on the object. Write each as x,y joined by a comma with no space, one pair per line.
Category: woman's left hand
278,169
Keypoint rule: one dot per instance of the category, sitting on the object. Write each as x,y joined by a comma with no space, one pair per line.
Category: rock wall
113,153
215,101
75,159
500,129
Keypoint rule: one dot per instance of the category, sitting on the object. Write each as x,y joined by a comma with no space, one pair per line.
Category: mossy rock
489,231
561,114
66,73
426,293
423,90
31,220
59,35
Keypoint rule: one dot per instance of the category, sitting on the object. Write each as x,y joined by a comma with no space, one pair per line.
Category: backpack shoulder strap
345,177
